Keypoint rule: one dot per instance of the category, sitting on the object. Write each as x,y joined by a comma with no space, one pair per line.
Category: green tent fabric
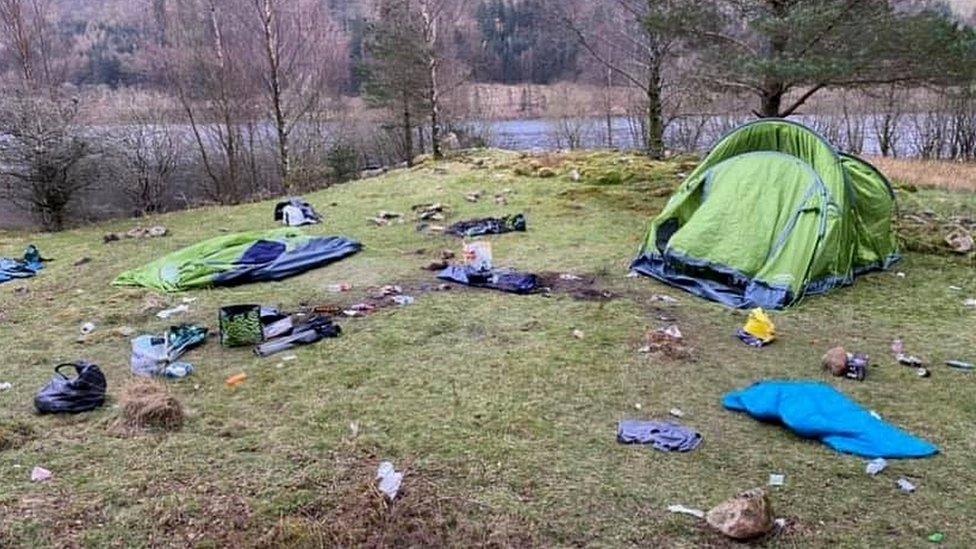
773,213
238,259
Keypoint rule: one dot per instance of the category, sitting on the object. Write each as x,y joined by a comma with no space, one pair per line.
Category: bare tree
29,35
46,159
206,63
304,56
152,150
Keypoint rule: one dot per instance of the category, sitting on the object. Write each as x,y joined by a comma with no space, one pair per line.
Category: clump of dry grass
149,404
938,174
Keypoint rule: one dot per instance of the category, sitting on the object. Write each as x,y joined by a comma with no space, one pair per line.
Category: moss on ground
503,421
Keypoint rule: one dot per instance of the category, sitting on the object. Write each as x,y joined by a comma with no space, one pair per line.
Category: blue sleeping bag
816,410
11,269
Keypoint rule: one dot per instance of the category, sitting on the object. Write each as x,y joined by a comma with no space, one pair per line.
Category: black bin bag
63,394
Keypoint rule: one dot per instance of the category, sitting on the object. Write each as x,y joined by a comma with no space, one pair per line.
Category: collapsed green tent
240,258
773,213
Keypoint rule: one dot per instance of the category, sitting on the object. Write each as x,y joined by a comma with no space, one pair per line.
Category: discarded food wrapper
923,372
235,380
777,480
971,303
337,288
937,537
759,329
177,370
578,334
857,366
676,412
40,474
686,511
390,480
6,386
905,486
875,466
87,328
909,360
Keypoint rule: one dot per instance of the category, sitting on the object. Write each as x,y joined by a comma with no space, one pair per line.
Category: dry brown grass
938,174
149,404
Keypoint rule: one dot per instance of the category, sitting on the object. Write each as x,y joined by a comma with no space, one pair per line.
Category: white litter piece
874,414
638,406
777,480
179,309
955,288
905,486
674,331
875,466
87,328
403,300
578,334
188,299
40,474
686,511
337,288
6,386
971,303
390,480
288,358
663,298
569,276
633,274
900,274
676,412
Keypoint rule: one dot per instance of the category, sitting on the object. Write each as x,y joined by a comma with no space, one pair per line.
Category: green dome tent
772,214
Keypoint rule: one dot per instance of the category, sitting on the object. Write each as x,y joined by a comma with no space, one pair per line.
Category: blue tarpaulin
816,410
21,268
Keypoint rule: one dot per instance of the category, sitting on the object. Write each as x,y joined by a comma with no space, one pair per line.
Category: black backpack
71,395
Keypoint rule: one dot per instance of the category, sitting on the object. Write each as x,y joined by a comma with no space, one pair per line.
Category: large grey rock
744,516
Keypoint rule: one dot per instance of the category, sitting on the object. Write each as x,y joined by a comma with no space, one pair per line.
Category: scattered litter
384,218
970,303
503,280
236,379
574,175
430,212
817,410
403,300
6,386
569,276
923,372
936,537
488,225
359,309
296,212
150,405
777,480
960,240
338,288
841,363
909,360
905,486
87,328
875,466
759,329
240,325
473,196
578,334
874,414
289,358
306,332
125,331
676,412
155,231
663,436
900,274
390,480
179,309
686,511
501,200
656,297
638,406
388,290
898,348
40,474
955,288
152,354
746,515
84,392
633,274
178,370
960,365
188,300
668,341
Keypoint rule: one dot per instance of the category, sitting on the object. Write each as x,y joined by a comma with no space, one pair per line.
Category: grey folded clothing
663,436
310,331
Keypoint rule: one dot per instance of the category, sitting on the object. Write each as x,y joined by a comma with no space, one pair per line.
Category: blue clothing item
816,410
661,435
27,267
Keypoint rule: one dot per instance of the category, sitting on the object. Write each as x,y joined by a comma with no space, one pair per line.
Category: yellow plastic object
760,326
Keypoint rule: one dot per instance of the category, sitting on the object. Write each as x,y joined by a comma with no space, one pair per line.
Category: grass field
503,421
